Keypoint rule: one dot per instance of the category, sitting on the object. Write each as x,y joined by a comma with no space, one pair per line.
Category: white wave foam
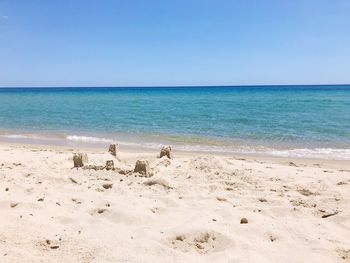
317,153
88,139
322,153
20,136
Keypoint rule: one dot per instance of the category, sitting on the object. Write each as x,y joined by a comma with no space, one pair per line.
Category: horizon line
173,86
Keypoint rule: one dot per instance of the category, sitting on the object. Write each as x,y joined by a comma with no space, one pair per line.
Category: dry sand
189,211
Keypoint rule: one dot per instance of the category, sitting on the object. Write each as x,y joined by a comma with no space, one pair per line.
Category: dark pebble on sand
244,220
54,247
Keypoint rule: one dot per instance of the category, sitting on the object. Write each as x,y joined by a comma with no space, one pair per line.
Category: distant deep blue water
280,120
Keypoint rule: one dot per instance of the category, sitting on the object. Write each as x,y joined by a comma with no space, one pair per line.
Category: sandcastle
78,160
113,149
109,165
142,167
166,151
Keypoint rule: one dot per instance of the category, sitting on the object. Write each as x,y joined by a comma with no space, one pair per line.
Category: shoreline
147,143
333,163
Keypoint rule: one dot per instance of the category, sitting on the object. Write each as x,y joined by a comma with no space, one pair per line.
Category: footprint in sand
306,192
201,242
344,254
49,244
157,181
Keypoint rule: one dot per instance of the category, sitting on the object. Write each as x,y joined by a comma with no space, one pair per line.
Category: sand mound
207,164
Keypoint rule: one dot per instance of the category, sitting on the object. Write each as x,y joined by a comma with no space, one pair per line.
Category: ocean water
297,121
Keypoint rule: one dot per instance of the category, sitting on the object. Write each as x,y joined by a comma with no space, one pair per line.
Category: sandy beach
175,131
190,210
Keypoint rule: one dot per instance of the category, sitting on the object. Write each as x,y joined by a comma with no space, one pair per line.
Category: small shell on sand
13,205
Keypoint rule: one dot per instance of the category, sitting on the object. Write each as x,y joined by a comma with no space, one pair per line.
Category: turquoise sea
304,121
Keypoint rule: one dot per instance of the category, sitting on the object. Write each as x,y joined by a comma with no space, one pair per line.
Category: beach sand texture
190,210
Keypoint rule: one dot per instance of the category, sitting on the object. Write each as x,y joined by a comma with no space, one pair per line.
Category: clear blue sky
179,42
